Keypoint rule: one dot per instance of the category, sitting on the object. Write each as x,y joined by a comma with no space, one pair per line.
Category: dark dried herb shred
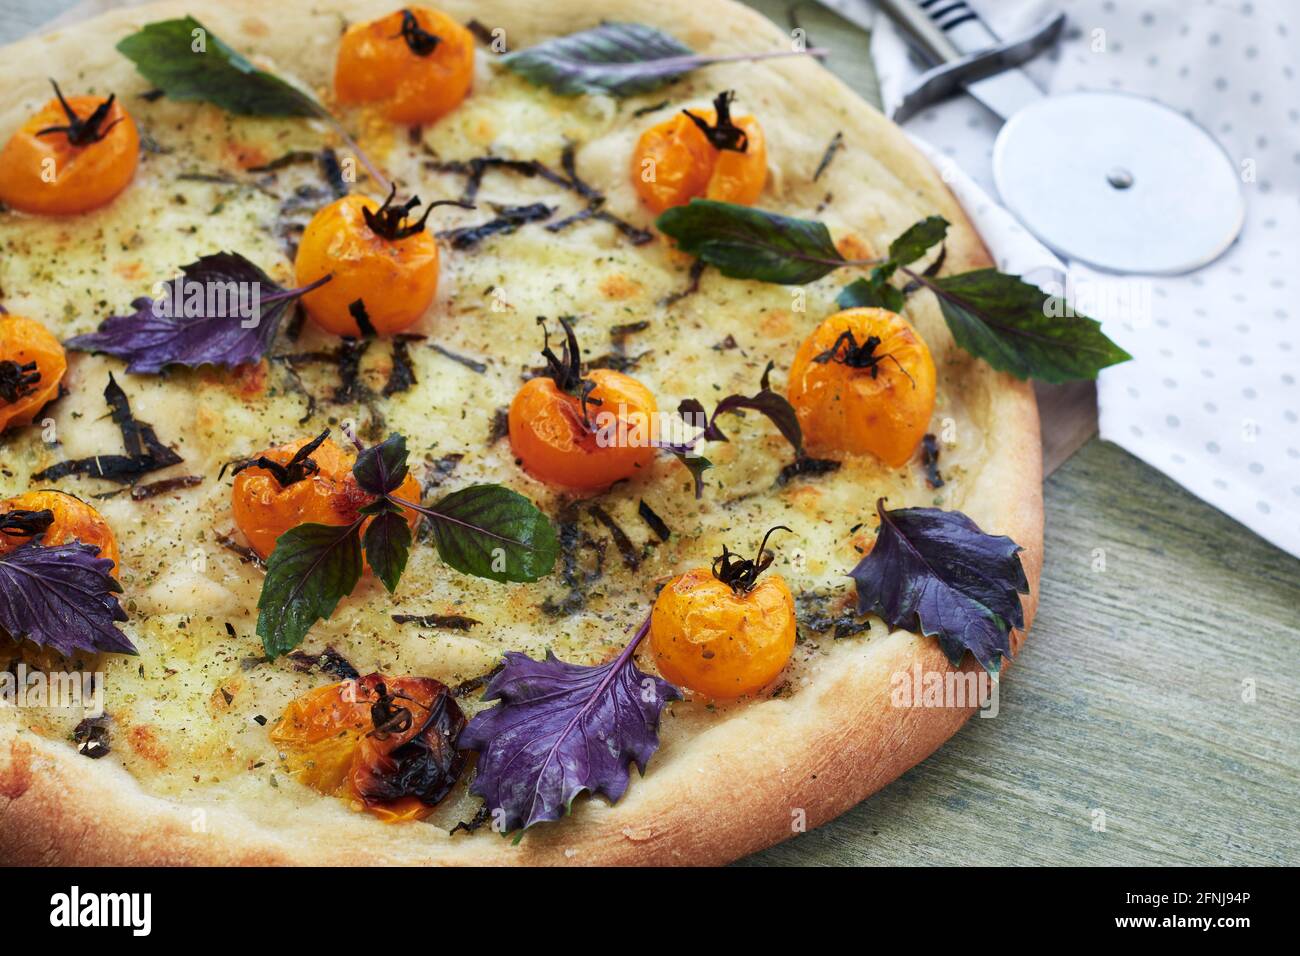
450,622
652,108
626,548
467,687
474,365
656,523
350,388
167,485
618,361
815,615
805,467
500,426
837,141
481,816
573,542
692,285
930,461
246,554
144,452
440,469
484,36
328,661
618,333
291,158
474,169
402,376
508,220
333,172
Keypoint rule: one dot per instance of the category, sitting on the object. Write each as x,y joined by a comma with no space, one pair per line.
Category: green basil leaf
493,532
917,240
313,567
748,243
871,293
187,61
1018,328
697,465
388,546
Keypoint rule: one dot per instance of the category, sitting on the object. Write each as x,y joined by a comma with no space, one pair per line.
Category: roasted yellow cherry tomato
416,65
32,364
339,740
72,156
385,269
701,154
59,519
582,432
303,482
724,631
864,382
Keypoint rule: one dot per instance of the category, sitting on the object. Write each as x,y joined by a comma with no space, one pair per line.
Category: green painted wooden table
1162,691
1152,716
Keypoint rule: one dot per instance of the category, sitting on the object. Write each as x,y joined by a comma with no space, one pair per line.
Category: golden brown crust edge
736,788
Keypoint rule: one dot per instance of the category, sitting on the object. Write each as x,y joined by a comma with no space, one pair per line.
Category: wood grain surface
1128,699
1152,717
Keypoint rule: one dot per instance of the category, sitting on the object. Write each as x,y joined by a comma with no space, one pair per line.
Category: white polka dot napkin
1211,397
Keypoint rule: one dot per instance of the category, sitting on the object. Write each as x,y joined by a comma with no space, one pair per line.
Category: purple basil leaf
936,572
767,402
61,597
561,729
220,327
381,468
692,411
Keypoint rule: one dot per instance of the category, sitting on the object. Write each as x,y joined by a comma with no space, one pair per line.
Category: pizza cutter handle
925,34
980,57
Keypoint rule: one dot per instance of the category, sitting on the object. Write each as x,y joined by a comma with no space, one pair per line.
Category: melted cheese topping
188,711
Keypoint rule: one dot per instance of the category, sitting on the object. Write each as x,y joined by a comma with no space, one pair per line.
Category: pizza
416,421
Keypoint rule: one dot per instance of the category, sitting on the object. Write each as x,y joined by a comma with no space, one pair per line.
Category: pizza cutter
1117,181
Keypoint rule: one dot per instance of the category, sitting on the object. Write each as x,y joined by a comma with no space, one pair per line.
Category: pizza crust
741,785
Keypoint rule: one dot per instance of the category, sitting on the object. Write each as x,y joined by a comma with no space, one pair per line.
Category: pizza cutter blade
1118,182
1115,181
